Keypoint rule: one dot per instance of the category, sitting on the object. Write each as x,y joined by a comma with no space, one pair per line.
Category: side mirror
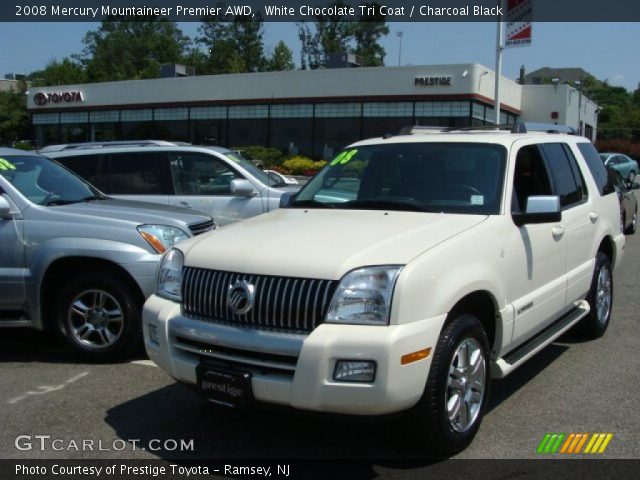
5,208
540,209
286,199
240,187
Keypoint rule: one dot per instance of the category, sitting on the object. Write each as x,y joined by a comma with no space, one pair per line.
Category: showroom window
171,114
136,115
45,118
388,109
292,111
104,116
249,111
338,110
206,113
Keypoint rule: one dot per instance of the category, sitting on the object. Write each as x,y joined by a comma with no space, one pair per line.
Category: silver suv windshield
46,182
260,175
442,177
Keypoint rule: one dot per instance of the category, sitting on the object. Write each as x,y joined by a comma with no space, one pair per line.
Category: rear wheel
600,299
98,316
448,415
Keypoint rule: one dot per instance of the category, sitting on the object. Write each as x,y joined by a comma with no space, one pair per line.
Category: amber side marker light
154,242
415,356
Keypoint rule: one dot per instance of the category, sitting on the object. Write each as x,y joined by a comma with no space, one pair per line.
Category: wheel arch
483,304
58,270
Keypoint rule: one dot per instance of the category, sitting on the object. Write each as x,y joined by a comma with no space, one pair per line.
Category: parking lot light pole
499,49
400,35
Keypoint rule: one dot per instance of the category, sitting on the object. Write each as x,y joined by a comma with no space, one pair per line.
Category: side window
596,167
198,174
137,173
564,182
577,173
87,167
530,177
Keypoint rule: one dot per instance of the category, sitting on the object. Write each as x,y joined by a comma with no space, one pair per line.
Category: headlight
170,275
161,237
364,296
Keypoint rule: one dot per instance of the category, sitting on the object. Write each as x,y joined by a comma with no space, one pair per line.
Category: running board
14,318
505,365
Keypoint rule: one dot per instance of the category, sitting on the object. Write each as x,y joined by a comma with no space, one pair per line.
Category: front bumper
297,370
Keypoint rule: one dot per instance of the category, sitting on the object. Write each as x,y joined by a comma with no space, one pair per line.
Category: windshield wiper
52,203
388,204
312,204
93,197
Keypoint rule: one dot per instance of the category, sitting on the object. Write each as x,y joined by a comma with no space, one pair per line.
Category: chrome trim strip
235,358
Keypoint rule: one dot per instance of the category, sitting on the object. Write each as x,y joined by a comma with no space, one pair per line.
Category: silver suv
76,261
215,180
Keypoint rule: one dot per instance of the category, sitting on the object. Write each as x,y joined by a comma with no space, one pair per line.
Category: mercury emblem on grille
240,297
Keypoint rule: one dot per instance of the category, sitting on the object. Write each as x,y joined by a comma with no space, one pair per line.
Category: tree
14,119
282,58
66,72
235,44
333,34
125,48
367,33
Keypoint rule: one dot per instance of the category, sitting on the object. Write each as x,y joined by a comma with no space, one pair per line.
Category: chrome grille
285,303
202,227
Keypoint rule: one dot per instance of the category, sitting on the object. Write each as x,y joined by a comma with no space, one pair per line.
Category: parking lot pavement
572,386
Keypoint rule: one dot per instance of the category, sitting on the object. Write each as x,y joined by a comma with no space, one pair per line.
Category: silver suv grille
202,227
286,303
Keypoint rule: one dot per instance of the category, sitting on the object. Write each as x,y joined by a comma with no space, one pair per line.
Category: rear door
141,176
93,168
537,272
579,217
202,182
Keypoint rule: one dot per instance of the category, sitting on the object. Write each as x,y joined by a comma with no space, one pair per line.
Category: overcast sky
607,50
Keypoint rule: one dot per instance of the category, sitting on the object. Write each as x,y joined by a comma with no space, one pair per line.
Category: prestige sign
432,81
72,96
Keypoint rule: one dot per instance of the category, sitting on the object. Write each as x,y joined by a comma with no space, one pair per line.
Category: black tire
631,229
428,422
116,288
593,326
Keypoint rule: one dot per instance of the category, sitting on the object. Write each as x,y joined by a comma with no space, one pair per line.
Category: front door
537,272
12,266
202,182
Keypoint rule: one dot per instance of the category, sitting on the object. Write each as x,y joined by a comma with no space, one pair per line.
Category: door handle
557,231
593,215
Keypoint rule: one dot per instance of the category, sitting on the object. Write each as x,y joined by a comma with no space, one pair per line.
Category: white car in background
279,177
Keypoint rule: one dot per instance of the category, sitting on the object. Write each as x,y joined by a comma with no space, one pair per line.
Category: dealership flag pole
499,49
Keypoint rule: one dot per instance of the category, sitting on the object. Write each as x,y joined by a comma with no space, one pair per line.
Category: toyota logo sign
42,98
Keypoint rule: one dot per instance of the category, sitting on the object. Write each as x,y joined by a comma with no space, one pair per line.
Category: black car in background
628,202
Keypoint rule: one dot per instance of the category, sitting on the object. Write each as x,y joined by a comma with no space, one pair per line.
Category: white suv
403,277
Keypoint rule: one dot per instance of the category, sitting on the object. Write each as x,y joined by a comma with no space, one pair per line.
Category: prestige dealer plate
230,388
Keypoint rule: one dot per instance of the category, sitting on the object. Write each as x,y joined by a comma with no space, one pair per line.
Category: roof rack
123,143
520,127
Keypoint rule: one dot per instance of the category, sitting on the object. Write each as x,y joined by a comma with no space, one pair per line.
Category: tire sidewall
130,312
431,409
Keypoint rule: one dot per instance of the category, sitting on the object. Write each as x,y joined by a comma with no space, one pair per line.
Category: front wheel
98,316
600,300
448,415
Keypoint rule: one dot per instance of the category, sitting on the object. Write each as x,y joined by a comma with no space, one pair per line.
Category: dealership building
312,112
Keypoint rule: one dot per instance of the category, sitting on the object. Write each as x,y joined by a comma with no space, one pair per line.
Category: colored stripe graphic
572,443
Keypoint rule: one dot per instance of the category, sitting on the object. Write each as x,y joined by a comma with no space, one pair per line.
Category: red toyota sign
73,96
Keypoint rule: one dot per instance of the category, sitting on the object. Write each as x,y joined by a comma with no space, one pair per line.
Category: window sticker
344,157
477,199
6,164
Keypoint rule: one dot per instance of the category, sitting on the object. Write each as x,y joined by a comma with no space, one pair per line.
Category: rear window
596,167
87,166
137,173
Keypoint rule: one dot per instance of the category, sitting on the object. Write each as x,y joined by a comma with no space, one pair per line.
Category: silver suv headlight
170,276
161,237
364,296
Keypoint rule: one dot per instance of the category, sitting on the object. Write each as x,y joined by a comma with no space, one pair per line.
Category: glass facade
312,129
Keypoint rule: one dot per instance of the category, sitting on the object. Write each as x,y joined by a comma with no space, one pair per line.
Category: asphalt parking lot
571,386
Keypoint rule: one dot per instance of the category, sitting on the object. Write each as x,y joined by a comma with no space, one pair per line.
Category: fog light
355,371
153,333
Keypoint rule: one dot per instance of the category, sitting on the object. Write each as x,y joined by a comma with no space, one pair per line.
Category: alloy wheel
95,319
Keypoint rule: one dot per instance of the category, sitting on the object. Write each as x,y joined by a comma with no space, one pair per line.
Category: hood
136,212
323,243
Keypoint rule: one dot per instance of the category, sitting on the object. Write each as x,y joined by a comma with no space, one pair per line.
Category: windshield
260,175
430,177
46,182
